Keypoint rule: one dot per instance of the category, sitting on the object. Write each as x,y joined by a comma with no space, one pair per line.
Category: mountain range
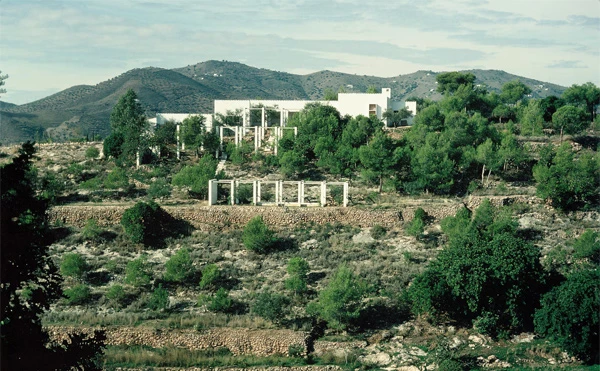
85,110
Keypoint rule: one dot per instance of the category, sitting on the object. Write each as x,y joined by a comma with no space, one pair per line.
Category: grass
140,356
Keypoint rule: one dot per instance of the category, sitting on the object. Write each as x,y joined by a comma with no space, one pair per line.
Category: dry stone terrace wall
239,341
210,217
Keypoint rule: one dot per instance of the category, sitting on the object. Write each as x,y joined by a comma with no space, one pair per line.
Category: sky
47,46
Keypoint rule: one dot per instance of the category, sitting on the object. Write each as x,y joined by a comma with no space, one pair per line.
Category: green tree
117,179
221,302
416,227
127,119
2,82
159,299
196,177
297,270
449,82
570,120
270,306
137,272
179,267
396,118
160,188
550,105
142,223
567,180
378,157
73,265
570,317
116,294
503,111
487,274
192,132
514,91
532,118
340,302
329,95
257,236
113,145
372,89
211,275
586,95
30,281
432,167
78,294
165,138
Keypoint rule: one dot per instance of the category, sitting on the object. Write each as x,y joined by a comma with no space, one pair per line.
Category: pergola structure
257,190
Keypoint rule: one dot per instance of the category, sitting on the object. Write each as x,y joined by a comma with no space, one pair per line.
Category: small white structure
257,187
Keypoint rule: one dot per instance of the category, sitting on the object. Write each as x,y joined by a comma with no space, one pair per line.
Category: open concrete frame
279,184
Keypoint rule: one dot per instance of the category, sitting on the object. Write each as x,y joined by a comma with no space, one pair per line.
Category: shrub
377,231
159,299
179,267
116,294
78,294
92,152
221,302
73,265
339,302
210,276
297,268
160,188
257,236
141,222
93,184
296,350
271,306
91,231
137,272
196,177
417,226
116,179
569,315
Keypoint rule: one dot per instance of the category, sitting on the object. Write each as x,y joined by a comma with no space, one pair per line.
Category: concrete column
281,117
221,137
212,191
345,194
138,159
279,190
263,122
300,192
256,139
276,140
178,139
258,186
295,131
245,117
254,192
233,192
323,193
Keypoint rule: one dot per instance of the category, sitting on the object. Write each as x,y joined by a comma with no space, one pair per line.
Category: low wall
210,217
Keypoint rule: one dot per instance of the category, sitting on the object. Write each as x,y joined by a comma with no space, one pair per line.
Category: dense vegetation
483,270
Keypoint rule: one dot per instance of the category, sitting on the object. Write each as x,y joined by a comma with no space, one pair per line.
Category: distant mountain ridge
85,110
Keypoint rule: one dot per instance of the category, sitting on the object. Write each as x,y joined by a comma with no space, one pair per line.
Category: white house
352,104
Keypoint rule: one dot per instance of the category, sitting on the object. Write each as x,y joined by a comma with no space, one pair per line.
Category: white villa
277,112
262,116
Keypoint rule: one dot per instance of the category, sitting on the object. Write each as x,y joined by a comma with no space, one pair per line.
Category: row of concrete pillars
257,190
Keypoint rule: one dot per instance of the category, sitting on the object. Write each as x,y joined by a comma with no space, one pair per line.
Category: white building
352,104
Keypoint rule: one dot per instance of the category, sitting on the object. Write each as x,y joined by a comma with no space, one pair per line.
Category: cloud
587,22
566,64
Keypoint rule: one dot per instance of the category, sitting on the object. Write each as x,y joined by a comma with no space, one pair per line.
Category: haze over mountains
85,110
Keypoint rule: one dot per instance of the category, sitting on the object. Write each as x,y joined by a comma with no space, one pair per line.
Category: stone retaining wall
211,217
238,341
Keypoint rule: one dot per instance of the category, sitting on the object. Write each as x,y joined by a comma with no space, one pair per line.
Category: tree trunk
482,174
488,177
380,183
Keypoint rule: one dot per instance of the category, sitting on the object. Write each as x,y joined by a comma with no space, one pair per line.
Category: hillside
85,110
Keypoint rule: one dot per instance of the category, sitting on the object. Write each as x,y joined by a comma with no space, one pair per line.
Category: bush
417,226
116,179
137,272
196,177
91,231
179,267
257,236
116,294
92,152
73,265
141,222
340,302
78,294
271,306
297,268
159,299
211,275
569,315
377,231
160,188
221,302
